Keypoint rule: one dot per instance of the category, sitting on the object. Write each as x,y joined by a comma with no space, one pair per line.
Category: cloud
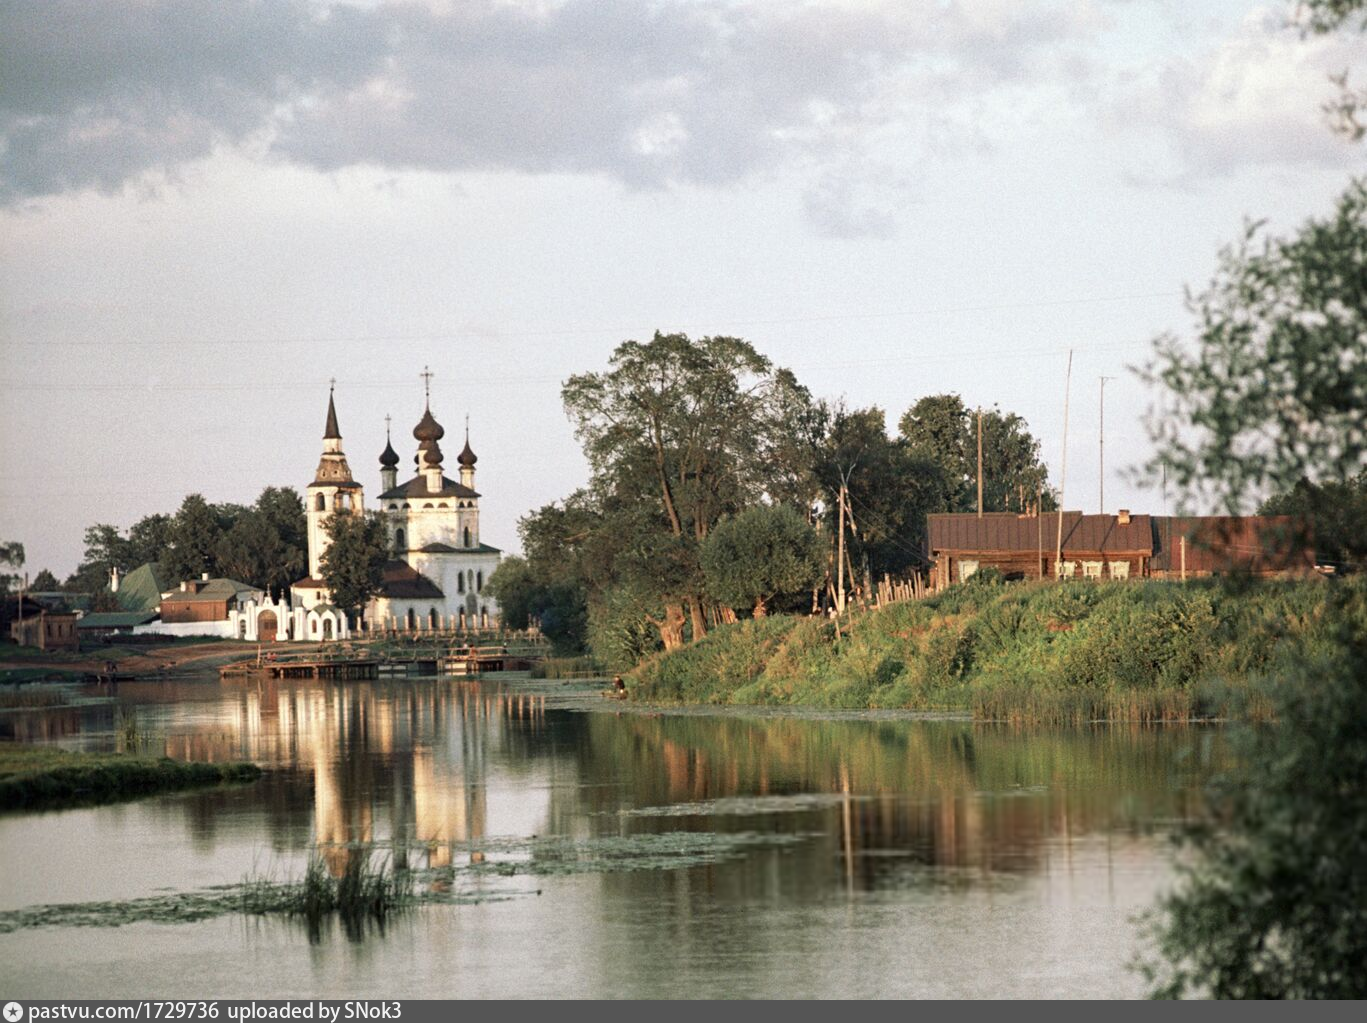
703,92
1255,98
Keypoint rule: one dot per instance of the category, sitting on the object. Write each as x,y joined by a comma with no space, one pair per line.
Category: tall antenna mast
1063,469
1101,475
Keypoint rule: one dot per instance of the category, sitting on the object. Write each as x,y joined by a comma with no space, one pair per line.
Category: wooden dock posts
335,671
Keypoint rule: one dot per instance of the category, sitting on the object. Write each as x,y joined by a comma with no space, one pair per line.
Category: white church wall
467,593
225,629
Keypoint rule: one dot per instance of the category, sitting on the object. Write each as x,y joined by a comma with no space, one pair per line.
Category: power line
957,355
417,337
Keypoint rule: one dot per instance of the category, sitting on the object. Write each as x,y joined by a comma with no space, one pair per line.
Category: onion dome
389,458
467,457
429,453
428,429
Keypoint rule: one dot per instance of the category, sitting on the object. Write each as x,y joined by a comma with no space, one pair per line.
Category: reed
367,891
567,668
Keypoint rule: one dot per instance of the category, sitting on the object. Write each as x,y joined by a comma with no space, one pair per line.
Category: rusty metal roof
1223,543
1007,531
402,581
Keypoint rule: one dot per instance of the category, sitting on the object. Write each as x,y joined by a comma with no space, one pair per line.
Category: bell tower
332,489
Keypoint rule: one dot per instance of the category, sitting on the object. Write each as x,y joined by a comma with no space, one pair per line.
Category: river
575,850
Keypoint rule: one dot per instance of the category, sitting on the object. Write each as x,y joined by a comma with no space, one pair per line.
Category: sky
208,211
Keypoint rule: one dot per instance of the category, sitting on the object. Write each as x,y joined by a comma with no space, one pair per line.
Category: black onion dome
389,458
429,453
467,457
428,428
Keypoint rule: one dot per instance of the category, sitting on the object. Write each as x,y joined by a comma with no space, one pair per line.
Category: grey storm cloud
94,95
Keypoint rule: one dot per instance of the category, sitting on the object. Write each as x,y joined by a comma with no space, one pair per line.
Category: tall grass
367,891
36,777
567,668
1035,652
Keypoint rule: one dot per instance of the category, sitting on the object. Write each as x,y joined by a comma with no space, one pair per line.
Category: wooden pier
477,660
333,671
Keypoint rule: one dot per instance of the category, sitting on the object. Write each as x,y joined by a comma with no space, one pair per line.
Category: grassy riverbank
36,777
1030,652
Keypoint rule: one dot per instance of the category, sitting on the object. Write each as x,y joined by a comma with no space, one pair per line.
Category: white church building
437,577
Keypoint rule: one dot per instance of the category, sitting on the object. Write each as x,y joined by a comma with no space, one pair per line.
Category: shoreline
36,777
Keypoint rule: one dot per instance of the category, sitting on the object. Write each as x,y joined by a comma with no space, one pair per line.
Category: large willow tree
680,432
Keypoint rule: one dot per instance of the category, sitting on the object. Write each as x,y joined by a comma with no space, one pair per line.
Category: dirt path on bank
148,661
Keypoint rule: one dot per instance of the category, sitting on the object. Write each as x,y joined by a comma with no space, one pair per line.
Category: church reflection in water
433,769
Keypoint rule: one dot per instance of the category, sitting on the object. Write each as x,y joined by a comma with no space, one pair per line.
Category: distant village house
1122,546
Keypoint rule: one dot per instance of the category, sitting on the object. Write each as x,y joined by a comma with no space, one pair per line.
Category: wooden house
47,630
1120,546
206,600
1024,546
1260,545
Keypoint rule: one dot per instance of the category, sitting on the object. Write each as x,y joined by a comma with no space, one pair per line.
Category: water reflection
730,846
423,766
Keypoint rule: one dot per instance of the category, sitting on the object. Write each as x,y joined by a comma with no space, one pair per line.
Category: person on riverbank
618,686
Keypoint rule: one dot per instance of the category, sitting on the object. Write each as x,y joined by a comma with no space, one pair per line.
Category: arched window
432,618
479,580
427,504
467,536
322,503
412,620
460,583
327,627
470,580
398,539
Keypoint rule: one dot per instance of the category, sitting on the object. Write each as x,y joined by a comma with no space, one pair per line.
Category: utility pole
840,544
1101,475
1063,469
980,461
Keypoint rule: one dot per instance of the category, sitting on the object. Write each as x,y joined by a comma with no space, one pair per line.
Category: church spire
331,432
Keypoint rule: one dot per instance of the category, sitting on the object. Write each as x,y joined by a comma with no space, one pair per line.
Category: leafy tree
674,433
148,539
45,582
1338,513
11,556
891,491
1272,894
624,626
195,535
107,548
560,609
1324,16
937,430
1274,389
283,509
249,551
763,552
940,429
352,566
89,578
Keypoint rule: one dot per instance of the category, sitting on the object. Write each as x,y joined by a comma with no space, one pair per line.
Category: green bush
1075,651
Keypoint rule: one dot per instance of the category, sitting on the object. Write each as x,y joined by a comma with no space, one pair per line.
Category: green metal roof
142,588
114,619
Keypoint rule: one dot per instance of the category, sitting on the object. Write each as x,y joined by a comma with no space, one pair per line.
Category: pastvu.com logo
14,1012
